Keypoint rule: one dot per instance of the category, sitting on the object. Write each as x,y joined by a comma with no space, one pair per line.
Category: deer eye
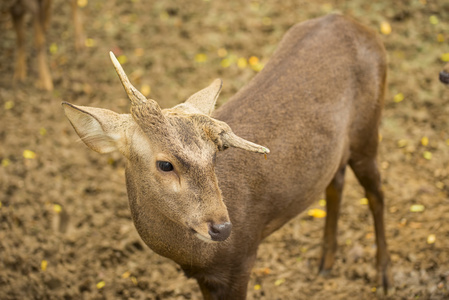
164,166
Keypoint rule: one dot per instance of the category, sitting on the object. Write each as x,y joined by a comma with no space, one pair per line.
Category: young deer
316,105
41,13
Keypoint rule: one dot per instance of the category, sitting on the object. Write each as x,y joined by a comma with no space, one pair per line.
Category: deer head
170,155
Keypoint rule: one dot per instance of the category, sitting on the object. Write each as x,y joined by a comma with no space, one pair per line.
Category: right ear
100,129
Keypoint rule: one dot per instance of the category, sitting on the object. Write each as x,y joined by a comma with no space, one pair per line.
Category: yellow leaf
44,264
42,131
398,98
257,287
53,48
373,289
82,3
431,239
126,274
440,38
222,52
424,141
253,60
122,59
402,143
89,43
447,142
9,105
134,280
322,202
145,89
5,162
100,284
257,67
380,137
279,281
385,28
225,63
200,57
364,201
427,155
242,63
433,20
316,213
417,208
445,57
28,154
57,208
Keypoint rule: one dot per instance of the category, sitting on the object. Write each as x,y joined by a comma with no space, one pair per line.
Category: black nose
444,77
220,232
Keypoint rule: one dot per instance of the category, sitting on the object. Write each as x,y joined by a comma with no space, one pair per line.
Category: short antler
134,95
231,140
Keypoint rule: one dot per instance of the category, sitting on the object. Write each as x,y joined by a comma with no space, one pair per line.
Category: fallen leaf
445,57
417,208
9,105
57,208
253,60
100,284
257,287
398,97
44,264
427,155
433,20
316,213
28,154
279,281
385,28
242,63
431,239
200,57
364,201
424,141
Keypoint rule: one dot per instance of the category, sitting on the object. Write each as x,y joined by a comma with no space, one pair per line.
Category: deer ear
205,99
100,129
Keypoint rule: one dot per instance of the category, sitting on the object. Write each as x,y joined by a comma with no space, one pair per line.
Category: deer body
316,105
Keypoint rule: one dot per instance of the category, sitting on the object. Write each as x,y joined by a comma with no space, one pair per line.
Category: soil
65,229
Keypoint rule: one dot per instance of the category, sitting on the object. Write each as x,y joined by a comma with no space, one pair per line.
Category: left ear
205,100
100,129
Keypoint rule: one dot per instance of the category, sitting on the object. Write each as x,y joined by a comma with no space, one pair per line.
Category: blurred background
65,229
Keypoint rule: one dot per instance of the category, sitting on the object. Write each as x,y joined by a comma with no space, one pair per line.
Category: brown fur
316,105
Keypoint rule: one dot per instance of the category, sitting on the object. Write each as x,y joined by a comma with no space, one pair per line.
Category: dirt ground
65,229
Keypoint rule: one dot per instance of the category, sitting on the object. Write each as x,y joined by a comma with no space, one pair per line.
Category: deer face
170,156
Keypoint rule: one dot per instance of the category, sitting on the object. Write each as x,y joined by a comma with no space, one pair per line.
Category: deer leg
45,82
77,23
333,199
368,175
18,19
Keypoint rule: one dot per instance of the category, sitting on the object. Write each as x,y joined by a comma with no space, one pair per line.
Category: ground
65,230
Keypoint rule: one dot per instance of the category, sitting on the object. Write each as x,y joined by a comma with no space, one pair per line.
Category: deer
198,192
41,14
444,74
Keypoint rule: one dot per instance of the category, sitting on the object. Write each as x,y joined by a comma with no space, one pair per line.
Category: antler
134,95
